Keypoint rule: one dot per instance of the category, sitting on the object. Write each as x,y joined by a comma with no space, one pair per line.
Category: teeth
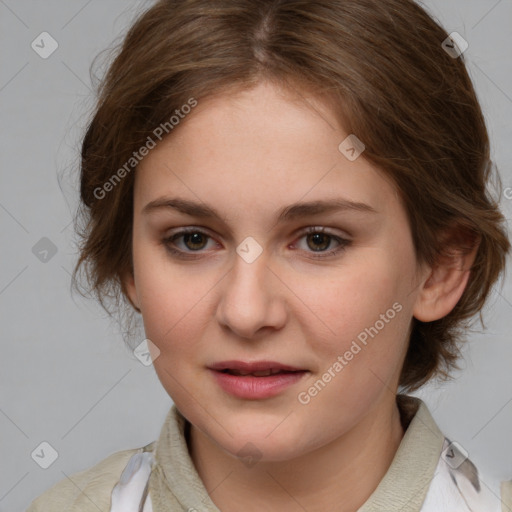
263,373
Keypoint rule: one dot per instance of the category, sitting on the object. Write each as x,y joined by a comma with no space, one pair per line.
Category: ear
447,280
130,290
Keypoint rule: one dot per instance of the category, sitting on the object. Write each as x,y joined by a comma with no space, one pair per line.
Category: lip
253,366
250,387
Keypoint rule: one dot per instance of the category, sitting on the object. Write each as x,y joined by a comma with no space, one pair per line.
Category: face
259,248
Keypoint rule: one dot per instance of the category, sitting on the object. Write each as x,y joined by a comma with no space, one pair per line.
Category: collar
175,481
406,482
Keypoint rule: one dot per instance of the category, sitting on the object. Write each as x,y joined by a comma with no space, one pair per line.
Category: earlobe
445,284
131,290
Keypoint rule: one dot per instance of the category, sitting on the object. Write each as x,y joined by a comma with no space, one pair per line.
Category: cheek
173,316
168,298
171,309
367,312
355,297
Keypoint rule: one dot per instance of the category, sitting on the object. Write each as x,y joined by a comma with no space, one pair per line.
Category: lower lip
256,388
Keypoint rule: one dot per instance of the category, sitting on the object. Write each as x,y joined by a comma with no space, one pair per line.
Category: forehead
260,147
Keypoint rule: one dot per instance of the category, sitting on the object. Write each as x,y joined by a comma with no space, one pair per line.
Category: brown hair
383,67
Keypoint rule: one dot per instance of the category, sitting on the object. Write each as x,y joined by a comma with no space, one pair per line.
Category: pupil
195,238
317,239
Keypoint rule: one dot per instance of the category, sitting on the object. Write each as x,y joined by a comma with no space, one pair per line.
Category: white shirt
455,487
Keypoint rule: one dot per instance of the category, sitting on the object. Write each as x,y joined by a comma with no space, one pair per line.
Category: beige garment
175,486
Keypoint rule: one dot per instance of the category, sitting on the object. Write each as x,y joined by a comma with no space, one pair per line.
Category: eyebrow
293,211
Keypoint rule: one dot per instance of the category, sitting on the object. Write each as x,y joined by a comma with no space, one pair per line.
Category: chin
259,449
268,441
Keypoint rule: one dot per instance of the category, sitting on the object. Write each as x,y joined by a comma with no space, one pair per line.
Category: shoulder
88,490
506,494
458,484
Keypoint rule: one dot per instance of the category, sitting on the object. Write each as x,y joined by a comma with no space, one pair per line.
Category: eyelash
169,241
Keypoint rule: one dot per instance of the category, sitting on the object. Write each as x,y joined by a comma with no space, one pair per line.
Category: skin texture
248,155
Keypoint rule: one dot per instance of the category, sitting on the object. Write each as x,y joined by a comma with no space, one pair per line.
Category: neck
337,477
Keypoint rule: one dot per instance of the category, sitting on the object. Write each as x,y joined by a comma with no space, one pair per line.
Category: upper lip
255,366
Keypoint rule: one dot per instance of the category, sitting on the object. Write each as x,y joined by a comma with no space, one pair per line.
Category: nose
252,299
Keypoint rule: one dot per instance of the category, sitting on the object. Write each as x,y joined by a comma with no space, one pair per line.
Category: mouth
255,380
260,373
256,368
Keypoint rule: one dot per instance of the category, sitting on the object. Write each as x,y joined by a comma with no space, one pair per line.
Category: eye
318,240
193,240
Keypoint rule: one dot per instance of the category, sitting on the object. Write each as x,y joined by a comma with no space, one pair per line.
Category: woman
293,196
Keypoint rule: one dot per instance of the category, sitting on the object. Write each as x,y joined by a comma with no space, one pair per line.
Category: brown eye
194,241
185,243
319,241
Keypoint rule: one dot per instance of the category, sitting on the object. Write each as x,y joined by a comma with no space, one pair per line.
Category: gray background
66,376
